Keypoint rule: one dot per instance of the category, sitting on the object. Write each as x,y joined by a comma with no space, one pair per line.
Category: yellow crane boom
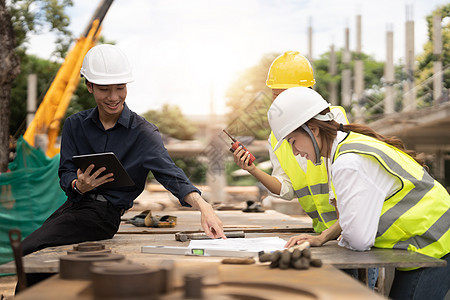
51,111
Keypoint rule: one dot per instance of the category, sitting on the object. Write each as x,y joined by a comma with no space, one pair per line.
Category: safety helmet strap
316,146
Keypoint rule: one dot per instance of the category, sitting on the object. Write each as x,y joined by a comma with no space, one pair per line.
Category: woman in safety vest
385,197
295,176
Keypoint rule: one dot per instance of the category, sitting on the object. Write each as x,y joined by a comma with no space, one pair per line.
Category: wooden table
233,220
315,283
274,222
131,238
47,260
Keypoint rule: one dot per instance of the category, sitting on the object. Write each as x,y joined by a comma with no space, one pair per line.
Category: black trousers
87,220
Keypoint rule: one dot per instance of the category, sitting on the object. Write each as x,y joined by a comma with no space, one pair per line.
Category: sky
187,53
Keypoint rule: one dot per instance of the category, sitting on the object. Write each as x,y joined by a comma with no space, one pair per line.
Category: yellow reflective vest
416,217
311,188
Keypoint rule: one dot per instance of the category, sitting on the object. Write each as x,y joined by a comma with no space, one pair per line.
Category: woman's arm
241,158
328,234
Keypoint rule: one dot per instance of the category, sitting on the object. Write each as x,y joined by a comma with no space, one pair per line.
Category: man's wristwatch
74,187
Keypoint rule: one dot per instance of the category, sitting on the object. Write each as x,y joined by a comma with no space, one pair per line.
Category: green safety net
30,193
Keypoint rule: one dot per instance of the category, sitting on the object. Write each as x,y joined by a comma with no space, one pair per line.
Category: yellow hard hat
290,70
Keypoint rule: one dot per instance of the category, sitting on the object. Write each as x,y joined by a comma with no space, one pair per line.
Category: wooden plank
189,221
324,283
344,258
236,282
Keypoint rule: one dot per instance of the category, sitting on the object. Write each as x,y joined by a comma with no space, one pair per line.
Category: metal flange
126,280
92,247
76,266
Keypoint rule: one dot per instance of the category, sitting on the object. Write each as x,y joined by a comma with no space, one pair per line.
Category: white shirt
287,190
361,185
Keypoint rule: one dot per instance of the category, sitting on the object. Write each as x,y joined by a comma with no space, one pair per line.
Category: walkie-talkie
236,144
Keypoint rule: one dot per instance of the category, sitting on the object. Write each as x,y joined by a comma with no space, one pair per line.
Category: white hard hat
106,64
293,108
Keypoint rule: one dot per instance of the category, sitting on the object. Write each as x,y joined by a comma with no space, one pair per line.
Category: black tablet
112,165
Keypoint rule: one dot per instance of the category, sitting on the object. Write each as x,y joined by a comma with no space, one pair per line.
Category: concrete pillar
31,97
439,166
332,69
215,176
212,112
409,96
389,74
358,34
437,65
40,139
346,73
310,41
359,74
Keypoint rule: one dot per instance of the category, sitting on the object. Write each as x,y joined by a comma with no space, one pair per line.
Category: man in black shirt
91,212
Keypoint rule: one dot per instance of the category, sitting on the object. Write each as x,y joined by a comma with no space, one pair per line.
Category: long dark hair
328,131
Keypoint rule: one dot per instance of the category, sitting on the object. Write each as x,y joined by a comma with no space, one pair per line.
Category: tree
171,121
9,68
249,99
373,74
45,71
38,16
17,20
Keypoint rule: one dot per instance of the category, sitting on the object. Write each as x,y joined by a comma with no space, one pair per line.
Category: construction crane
52,110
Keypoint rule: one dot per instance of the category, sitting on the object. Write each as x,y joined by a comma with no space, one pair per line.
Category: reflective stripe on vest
320,188
416,217
311,189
